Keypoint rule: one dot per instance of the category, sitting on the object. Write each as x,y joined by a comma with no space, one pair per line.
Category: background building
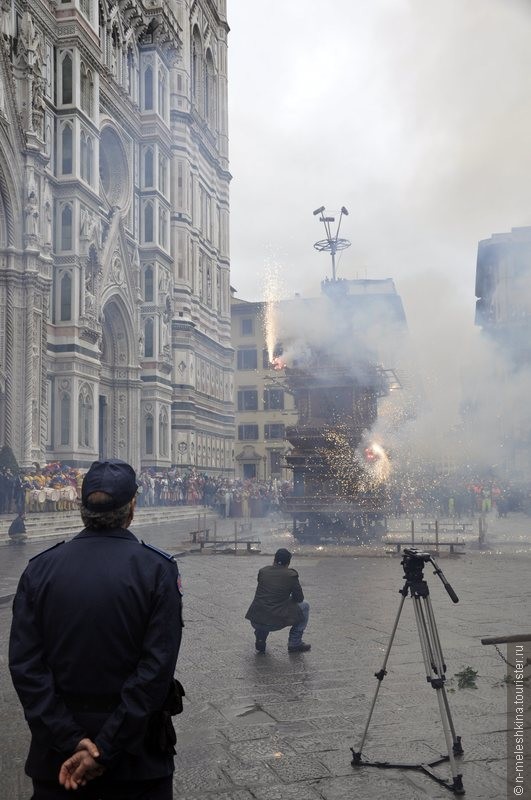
503,311
503,284
263,406
114,233
351,319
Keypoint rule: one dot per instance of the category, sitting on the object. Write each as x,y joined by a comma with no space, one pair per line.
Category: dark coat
17,527
94,641
276,598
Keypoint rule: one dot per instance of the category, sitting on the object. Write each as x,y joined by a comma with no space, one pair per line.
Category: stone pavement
280,726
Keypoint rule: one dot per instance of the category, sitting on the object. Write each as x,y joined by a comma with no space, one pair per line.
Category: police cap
114,477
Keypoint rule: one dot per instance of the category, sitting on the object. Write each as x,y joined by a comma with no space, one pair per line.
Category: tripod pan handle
451,592
439,573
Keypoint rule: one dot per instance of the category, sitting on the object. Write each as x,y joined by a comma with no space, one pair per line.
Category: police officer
94,642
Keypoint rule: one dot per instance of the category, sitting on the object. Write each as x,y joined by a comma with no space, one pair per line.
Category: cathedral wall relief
108,265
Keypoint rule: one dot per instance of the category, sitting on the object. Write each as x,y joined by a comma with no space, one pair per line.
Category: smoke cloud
461,404
414,114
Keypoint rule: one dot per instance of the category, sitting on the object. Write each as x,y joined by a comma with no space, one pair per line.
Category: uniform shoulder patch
58,544
163,553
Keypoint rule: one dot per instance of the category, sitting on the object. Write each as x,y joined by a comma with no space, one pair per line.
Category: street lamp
332,244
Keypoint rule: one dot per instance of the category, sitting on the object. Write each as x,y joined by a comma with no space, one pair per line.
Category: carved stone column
10,366
29,378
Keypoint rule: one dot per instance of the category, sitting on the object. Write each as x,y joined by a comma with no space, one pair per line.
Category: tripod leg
457,746
435,674
380,676
422,629
439,658
437,649
450,743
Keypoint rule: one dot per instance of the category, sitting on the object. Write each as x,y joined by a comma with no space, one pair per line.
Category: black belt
96,703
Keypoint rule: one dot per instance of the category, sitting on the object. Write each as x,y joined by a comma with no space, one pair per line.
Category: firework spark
273,292
377,465
365,468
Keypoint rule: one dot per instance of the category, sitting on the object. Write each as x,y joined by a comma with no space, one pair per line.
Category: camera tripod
415,585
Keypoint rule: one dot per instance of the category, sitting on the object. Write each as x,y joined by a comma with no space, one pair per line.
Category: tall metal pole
332,244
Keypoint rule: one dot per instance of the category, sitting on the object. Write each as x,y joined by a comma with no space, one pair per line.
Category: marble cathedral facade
114,233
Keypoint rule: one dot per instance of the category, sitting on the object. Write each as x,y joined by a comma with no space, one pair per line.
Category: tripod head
413,563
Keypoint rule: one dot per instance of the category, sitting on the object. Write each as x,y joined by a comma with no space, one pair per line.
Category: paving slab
280,726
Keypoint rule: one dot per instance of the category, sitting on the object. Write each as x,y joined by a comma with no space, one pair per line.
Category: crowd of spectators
11,492
437,497
228,497
54,487
57,487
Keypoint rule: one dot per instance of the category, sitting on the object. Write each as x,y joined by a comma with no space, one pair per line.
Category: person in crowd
94,642
18,494
227,500
279,602
236,503
150,483
9,491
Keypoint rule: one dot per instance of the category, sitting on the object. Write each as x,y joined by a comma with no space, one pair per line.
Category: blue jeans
295,632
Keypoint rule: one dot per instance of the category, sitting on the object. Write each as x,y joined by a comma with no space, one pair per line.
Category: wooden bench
446,527
201,535
214,544
426,545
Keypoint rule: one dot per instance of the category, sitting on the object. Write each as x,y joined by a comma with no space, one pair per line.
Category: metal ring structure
332,245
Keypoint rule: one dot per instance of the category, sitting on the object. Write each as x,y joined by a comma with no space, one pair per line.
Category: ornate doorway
119,395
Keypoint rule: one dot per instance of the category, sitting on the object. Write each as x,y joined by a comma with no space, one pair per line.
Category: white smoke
461,404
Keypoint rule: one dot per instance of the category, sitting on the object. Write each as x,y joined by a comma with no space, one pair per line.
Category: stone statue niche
166,328
6,18
90,229
91,282
31,211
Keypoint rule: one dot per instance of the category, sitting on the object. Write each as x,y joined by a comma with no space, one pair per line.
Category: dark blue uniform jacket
98,618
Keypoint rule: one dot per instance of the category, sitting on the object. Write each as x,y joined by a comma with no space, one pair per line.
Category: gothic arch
132,67
149,338
13,185
87,90
197,66
10,200
119,398
149,171
118,336
66,63
147,87
4,241
210,89
149,283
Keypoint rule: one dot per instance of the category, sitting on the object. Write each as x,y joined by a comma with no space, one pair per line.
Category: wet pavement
280,726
